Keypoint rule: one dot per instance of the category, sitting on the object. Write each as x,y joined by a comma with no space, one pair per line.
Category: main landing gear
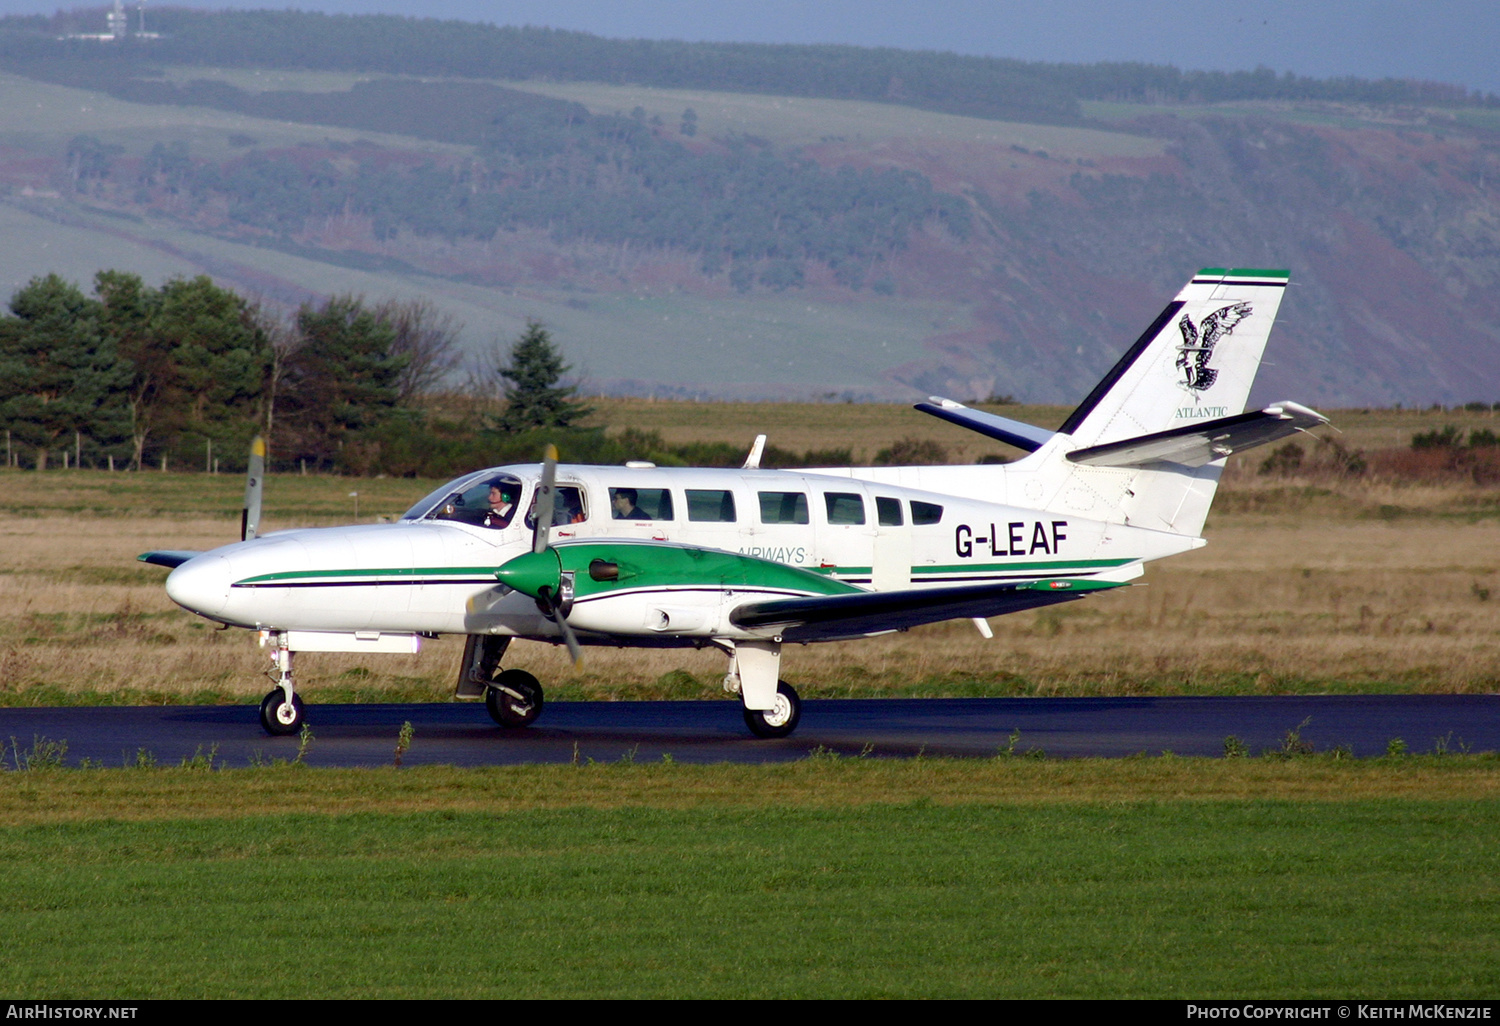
281,711
513,698
772,706
781,719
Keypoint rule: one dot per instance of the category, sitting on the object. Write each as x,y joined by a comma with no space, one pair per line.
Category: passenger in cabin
503,497
567,508
623,504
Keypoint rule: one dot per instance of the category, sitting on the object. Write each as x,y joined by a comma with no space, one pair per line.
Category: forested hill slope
757,220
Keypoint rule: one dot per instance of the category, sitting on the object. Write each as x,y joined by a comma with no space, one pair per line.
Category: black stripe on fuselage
1118,371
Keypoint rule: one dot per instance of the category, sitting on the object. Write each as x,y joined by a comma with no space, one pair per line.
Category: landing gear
779,720
514,699
281,710
278,716
772,706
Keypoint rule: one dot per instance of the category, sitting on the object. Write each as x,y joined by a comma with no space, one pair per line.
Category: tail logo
1198,344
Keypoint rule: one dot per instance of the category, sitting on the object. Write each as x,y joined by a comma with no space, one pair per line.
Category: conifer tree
533,396
61,378
343,379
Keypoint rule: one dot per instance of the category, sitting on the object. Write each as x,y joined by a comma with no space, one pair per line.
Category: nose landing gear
281,711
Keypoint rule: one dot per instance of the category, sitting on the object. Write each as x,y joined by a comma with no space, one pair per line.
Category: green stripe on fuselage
657,565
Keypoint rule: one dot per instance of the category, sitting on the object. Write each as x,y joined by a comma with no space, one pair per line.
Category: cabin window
783,508
925,513
844,507
888,510
710,506
640,504
567,508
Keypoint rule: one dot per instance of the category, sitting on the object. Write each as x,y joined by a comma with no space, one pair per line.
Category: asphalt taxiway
713,731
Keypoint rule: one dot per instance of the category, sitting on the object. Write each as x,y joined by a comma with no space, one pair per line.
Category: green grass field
1162,878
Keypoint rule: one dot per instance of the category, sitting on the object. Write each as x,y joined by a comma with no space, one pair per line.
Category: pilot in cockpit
502,498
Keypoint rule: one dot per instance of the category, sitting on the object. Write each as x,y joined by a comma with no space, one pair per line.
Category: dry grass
1269,606
869,427
863,428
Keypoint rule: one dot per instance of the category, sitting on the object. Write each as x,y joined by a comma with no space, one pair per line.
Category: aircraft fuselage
427,574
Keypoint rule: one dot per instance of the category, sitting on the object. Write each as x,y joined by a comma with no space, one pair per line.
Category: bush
1447,438
1284,460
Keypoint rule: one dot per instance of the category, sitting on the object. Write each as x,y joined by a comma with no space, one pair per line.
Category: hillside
698,242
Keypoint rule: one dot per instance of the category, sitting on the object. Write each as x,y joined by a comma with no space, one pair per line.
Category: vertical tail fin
1196,361
1194,365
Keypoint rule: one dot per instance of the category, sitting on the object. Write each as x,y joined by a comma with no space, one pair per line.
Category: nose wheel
514,699
279,716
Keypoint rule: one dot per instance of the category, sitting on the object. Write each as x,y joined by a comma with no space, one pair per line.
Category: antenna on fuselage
752,461
255,479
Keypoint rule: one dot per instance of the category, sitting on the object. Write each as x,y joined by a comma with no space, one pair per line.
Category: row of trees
983,86
182,376
137,376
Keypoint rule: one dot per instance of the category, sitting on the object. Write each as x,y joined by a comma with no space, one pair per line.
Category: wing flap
825,617
1197,444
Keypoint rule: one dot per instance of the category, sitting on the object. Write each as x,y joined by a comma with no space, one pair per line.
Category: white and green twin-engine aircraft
749,560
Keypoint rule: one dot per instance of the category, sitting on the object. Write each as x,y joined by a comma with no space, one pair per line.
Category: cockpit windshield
486,498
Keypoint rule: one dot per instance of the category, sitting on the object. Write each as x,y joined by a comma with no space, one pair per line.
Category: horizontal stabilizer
167,557
1012,432
826,617
1198,444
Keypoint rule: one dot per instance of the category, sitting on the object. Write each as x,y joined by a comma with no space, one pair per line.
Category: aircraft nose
201,585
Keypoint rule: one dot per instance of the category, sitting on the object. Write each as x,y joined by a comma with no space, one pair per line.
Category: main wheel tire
781,719
514,699
279,717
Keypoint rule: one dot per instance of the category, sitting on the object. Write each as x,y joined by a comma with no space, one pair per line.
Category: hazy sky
1441,40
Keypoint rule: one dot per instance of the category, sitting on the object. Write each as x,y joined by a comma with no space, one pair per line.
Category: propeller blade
546,598
546,501
255,480
569,638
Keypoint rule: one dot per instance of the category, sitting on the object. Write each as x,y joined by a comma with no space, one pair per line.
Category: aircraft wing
826,617
1012,432
167,557
1198,444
